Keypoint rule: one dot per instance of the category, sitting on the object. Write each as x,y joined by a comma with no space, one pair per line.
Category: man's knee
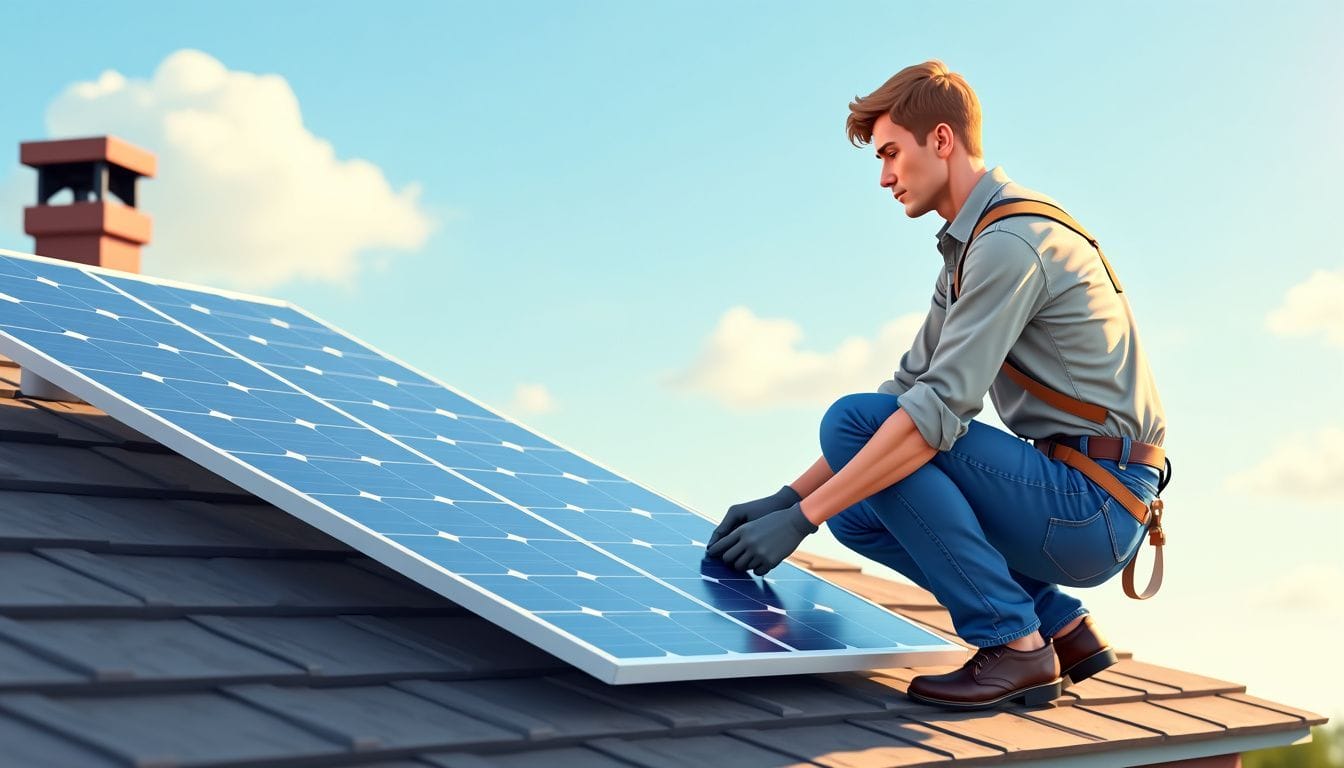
848,425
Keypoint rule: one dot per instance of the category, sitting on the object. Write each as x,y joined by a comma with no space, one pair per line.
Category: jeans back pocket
1084,551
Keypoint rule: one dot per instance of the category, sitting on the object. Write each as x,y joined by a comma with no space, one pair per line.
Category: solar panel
595,568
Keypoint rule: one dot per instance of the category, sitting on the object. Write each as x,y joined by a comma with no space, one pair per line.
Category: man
1026,308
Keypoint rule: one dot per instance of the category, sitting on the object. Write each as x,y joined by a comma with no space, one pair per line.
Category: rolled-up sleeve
916,360
1003,287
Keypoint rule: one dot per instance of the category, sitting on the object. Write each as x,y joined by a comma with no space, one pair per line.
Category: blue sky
576,199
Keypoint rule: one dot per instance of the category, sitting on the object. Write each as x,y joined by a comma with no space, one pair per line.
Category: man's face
916,176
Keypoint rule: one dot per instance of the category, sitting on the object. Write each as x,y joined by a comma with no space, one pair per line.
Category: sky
640,230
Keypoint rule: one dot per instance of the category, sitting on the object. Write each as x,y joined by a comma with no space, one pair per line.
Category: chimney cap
121,153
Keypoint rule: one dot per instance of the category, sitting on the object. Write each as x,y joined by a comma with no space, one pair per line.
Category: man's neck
961,180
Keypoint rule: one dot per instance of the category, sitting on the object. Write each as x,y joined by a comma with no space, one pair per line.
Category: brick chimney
101,227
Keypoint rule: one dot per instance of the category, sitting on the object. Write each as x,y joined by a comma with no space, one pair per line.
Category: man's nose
888,179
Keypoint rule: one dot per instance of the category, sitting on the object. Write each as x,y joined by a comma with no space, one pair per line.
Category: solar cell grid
416,473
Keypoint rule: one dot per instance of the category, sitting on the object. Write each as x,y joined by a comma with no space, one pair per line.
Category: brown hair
918,98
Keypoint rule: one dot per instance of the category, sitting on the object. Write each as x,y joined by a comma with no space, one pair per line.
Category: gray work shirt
1037,292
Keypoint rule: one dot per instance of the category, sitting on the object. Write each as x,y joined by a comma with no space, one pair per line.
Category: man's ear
944,140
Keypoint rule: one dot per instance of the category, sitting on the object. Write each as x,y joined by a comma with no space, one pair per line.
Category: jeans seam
1110,529
965,459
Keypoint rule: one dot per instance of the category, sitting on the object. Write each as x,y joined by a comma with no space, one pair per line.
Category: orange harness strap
1005,209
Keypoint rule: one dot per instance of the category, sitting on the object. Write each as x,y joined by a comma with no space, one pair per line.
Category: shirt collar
985,189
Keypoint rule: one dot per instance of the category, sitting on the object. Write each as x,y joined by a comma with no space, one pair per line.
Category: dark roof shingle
140,590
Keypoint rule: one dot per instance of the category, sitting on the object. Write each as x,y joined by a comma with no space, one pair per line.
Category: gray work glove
752,510
763,543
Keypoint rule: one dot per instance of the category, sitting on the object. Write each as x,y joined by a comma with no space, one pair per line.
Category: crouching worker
1027,308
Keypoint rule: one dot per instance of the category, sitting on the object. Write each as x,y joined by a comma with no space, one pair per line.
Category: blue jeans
990,526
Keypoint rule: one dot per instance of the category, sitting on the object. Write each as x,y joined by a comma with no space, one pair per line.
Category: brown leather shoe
993,676
1082,652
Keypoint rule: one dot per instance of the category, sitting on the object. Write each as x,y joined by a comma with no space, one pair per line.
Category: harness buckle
1156,536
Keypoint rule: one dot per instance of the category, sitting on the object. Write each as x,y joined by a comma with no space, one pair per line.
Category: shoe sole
1035,696
1088,667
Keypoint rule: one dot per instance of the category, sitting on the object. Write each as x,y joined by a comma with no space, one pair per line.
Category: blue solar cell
512,459
447,454
433,477
387,420
147,393
632,496
100,298
74,352
693,527
502,431
367,391
361,442
226,434
597,595
732,637
371,478
38,294
583,525
782,628
155,360
563,461
305,441
325,386
88,321
629,526
297,406
661,562
717,596
527,594
178,338
299,474
569,491
512,488
436,397
17,316
670,635
461,518
377,515
436,482
458,557
582,557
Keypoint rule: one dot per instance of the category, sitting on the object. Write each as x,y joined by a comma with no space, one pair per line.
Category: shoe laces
987,656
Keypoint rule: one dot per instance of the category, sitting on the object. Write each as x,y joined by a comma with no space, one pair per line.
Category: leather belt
1058,447
1111,448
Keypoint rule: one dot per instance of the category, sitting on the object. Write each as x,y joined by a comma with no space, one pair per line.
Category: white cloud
1309,588
1312,306
532,398
1308,467
755,362
246,194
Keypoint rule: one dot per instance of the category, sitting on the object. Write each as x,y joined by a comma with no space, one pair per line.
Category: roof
152,614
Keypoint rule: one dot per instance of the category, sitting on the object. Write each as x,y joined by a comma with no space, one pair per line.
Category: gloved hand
763,543
751,510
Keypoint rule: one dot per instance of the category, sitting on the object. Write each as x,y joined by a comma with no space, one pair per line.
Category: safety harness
1079,452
